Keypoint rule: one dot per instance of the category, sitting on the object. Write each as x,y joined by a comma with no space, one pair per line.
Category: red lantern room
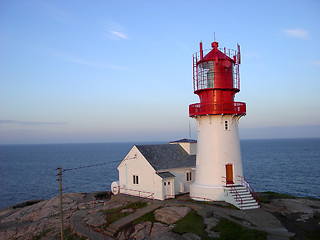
216,81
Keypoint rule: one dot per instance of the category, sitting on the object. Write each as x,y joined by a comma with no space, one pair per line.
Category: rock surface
171,214
29,221
26,221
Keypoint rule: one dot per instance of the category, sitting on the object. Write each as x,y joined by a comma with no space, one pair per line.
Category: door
229,173
168,188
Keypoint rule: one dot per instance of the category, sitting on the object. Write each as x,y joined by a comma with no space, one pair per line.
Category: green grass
43,234
313,235
266,197
69,235
232,231
149,217
115,214
192,223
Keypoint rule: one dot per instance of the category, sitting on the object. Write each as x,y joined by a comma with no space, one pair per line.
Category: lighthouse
218,174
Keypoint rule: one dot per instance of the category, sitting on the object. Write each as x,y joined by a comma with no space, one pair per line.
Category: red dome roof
215,53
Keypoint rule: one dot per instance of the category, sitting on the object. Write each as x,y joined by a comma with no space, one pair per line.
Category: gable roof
184,140
166,175
167,156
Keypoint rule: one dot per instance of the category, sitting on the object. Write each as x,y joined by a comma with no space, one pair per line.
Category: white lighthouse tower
219,174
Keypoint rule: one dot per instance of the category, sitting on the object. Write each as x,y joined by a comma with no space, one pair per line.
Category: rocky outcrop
35,218
171,214
24,221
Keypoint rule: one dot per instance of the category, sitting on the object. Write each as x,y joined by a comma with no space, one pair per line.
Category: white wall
190,148
180,174
135,164
216,147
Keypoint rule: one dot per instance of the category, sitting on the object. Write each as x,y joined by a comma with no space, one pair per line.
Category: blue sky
119,71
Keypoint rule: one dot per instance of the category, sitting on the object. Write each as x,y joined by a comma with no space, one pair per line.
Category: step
110,234
241,193
112,229
249,202
250,207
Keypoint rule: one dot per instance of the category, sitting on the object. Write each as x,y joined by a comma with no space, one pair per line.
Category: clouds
296,33
118,35
26,123
316,63
96,64
115,31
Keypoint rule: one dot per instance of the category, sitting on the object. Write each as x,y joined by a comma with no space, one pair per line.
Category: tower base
207,192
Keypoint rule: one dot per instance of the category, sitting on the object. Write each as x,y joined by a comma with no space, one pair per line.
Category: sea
28,172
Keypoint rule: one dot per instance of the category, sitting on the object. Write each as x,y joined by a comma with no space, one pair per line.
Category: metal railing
134,192
234,191
245,183
233,54
217,108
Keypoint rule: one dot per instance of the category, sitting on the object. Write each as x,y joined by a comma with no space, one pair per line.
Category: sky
121,71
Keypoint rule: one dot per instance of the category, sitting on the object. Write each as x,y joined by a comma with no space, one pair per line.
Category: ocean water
289,166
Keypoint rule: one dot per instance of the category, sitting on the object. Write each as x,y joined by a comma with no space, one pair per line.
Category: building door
168,188
229,173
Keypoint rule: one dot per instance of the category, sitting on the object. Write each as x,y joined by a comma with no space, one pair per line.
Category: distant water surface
29,171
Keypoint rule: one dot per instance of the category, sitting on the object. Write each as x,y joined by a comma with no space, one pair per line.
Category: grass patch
266,197
233,231
213,203
192,223
149,217
69,235
115,214
313,235
43,234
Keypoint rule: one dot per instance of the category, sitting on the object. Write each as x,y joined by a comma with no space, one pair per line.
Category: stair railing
244,182
233,190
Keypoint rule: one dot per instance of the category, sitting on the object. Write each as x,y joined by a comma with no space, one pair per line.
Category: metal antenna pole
189,129
60,193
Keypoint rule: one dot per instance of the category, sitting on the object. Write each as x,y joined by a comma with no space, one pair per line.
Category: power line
89,166
95,165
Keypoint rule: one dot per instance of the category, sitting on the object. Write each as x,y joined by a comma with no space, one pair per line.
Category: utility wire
95,165
88,166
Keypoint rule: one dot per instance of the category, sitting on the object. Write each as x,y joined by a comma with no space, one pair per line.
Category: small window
164,183
168,183
189,176
226,125
135,179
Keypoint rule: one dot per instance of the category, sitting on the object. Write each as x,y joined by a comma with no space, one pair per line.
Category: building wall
190,148
180,178
217,146
134,164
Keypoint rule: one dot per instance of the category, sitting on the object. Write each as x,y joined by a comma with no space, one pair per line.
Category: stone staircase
241,197
111,231
118,225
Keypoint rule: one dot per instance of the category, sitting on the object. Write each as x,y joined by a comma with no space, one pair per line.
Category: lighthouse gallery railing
217,108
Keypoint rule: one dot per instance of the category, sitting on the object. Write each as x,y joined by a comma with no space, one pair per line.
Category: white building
157,171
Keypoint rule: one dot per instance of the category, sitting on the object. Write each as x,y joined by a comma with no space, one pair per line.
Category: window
168,183
226,125
189,176
135,179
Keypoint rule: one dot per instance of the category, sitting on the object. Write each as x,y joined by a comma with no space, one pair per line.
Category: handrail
217,108
233,190
150,195
244,181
